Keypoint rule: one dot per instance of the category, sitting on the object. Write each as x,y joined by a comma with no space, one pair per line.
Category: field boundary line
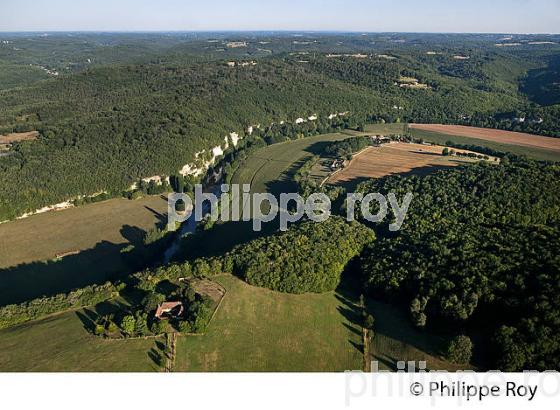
342,169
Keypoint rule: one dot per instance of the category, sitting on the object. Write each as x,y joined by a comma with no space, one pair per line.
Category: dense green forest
123,107
306,258
478,251
347,147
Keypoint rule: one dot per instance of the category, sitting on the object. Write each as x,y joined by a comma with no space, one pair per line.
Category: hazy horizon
350,16
155,31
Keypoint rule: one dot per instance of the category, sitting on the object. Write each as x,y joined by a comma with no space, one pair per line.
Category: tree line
479,246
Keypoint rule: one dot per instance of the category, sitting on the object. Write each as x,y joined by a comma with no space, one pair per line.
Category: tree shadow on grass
392,321
221,238
68,271
132,234
90,316
32,280
389,362
319,147
347,293
157,358
161,218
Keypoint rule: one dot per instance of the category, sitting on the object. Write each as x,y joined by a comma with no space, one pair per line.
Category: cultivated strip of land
397,158
489,134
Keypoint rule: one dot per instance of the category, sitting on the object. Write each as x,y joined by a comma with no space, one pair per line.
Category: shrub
459,350
159,327
99,330
151,301
128,324
112,327
184,327
201,268
369,321
141,327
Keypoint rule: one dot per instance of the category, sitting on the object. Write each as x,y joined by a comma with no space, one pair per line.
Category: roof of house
167,307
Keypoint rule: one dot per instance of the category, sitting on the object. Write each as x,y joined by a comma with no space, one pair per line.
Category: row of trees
347,147
12,315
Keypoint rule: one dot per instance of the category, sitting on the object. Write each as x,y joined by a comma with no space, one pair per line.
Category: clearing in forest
19,136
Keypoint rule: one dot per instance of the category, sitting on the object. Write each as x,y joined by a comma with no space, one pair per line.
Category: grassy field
254,329
385,129
271,168
397,340
260,330
99,231
61,343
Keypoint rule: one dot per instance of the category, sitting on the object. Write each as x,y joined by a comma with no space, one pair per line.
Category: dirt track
504,137
16,137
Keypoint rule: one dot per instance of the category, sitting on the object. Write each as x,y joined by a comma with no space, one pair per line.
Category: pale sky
481,16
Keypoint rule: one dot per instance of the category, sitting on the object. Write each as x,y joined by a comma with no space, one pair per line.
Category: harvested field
17,137
396,158
504,137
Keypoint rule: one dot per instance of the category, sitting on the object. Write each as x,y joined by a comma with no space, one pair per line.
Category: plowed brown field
396,158
504,137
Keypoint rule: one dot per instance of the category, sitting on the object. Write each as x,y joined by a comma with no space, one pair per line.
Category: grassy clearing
98,232
271,168
397,340
254,329
61,343
385,129
257,329
18,137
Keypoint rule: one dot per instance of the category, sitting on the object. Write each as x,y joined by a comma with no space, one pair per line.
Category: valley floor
254,329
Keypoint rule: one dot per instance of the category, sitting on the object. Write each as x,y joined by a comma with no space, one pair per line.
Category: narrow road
171,351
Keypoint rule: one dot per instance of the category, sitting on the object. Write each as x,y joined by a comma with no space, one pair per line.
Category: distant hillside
106,125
